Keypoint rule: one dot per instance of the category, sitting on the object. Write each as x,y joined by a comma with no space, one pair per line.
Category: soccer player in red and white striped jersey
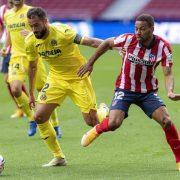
139,63
136,84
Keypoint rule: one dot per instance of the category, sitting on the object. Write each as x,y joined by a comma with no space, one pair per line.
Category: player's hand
32,101
24,32
174,97
123,51
3,52
86,68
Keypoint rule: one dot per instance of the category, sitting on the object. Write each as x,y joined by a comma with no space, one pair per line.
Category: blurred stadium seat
163,9
73,9
107,9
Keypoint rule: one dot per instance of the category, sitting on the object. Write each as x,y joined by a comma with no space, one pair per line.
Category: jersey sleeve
69,34
31,50
167,59
120,40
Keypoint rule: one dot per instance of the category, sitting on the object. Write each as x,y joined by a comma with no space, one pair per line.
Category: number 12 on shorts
118,95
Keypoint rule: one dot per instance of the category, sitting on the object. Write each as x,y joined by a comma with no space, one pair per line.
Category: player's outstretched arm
169,84
6,50
87,41
92,42
102,48
32,78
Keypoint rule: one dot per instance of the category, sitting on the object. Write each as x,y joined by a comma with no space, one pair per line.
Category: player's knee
91,119
16,91
166,122
89,123
39,118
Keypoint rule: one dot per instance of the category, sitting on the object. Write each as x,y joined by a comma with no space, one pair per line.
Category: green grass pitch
138,150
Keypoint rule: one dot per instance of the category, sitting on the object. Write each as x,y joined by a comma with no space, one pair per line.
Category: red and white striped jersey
139,63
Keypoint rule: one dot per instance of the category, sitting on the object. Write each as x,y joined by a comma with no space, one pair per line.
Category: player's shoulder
27,6
123,37
160,39
61,27
30,38
8,13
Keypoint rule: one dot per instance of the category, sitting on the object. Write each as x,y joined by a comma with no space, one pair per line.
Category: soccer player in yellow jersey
17,25
58,46
5,61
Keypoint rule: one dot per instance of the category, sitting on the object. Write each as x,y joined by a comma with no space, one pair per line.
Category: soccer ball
2,162
103,111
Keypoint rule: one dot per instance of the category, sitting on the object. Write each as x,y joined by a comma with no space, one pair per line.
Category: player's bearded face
38,26
143,31
41,33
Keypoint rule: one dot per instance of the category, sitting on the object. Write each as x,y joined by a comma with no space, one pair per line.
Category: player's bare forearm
169,79
6,49
103,47
87,68
92,42
32,76
8,40
169,84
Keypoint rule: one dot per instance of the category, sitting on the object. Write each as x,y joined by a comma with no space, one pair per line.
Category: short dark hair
36,11
146,17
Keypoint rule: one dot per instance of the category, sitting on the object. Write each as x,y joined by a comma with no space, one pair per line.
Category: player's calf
114,124
91,118
166,122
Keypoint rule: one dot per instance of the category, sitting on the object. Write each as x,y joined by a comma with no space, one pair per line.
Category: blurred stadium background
134,151
106,18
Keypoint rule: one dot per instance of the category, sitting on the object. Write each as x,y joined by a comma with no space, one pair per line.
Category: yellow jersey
15,22
59,50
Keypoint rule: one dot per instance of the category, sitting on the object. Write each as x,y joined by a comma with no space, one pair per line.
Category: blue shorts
148,102
5,63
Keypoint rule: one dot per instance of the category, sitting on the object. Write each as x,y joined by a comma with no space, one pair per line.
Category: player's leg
82,97
18,112
52,95
154,107
93,116
4,70
23,101
162,117
54,117
55,122
21,98
40,84
16,75
48,134
110,123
